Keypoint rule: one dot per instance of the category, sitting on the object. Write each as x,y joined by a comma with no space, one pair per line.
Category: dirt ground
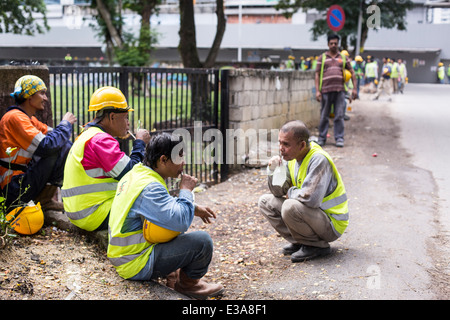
57,265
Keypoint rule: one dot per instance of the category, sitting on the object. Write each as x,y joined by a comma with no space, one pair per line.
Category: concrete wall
265,99
8,77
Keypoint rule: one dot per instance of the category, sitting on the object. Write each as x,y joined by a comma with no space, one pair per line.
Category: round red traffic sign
335,17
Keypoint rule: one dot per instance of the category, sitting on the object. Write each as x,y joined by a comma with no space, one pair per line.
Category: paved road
396,184
424,116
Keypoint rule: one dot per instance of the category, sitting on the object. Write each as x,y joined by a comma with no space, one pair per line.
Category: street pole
358,37
239,34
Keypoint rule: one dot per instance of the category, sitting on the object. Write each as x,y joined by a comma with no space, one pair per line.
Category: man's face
120,123
175,166
290,147
38,100
333,45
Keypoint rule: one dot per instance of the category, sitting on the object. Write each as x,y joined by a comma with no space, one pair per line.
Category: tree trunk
103,11
220,31
188,43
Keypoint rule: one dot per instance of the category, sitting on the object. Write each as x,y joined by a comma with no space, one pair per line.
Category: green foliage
16,16
136,49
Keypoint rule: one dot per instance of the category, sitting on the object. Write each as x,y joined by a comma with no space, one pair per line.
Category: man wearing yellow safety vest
385,80
403,75
358,67
32,154
371,72
143,199
395,73
309,209
441,73
331,89
95,163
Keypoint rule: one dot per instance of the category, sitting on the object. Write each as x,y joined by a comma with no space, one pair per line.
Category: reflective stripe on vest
22,135
334,205
129,252
87,200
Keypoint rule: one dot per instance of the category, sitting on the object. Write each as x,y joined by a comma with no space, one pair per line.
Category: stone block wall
266,99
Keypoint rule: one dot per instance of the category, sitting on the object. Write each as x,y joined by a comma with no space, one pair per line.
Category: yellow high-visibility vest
129,252
87,200
334,205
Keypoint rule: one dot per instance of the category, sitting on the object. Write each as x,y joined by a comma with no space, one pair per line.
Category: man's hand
204,213
70,117
188,182
354,93
274,162
318,96
143,135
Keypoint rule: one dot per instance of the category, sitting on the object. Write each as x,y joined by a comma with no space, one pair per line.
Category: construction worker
358,67
142,195
385,80
309,208
448,72
441,73
302,64
394,75
32,154
314,63
95,163
331,90
403,75
290,63
371,70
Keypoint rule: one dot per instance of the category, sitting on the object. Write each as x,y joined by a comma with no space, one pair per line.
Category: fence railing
162,99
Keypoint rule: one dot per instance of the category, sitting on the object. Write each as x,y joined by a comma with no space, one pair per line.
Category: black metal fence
163,99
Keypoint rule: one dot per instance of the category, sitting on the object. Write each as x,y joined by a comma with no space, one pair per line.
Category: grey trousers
296,222
336,99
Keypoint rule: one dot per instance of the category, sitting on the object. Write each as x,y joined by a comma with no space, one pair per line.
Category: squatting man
310,209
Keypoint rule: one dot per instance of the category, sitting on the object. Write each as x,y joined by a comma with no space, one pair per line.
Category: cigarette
132,134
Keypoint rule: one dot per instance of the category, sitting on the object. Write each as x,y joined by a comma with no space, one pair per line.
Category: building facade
255,32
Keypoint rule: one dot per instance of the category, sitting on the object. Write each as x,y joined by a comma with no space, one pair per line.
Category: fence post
224,120
123,86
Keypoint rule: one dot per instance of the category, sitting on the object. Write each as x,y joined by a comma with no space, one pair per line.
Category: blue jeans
192,252
337,99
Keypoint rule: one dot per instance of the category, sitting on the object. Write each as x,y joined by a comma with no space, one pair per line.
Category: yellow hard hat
440,64
156,234
347,75
26,220
345,52
108,98
291,57
358,59
375,81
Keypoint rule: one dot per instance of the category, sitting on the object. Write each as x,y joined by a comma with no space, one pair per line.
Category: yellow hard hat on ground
347,75
156,234
108,98
26,220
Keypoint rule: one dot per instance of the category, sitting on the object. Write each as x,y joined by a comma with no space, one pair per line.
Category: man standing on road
310,208
330,90
384,85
